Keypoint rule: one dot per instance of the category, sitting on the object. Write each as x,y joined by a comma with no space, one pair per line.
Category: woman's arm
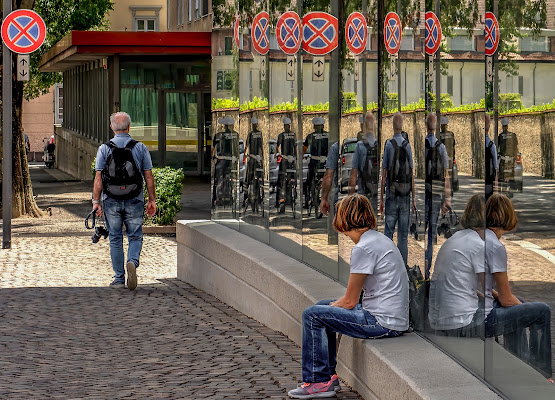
505,296
354,287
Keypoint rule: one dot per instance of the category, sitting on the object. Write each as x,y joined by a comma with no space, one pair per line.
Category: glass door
181,134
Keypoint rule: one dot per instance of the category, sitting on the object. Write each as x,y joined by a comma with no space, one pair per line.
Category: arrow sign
263,69
23,67
489,69
356,68
318,67
290,73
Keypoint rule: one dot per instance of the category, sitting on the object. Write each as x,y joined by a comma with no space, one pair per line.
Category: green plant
169,185
256,103
93,168
224,104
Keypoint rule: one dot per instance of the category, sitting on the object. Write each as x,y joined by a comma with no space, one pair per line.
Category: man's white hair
120,121
431,121
369,122
397,122
487,121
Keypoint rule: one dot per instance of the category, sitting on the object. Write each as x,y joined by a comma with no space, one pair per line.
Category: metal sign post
7,140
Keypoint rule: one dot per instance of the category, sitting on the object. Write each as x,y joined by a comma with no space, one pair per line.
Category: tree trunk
23,202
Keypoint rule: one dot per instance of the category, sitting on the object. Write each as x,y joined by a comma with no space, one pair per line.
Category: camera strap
93,215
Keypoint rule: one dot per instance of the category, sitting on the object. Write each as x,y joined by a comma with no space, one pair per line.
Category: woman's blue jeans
511,322
116,214
321,322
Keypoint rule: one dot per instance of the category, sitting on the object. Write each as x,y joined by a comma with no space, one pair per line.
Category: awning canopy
80,47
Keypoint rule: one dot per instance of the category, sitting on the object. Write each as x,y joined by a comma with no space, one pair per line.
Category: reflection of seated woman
457,305
510,317
378,269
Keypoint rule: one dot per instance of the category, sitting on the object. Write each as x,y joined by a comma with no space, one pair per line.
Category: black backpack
400,172
121,178
435,172
370,173
490,165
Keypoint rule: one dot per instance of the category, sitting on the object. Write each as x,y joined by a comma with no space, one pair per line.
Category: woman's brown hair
354,212
500,213
474,213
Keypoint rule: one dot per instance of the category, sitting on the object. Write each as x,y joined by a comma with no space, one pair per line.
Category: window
407,41
197,9
58,103
180,12
422,81
529,43
462,43
204,7
145,19
450,85
250,80
228,45
521,85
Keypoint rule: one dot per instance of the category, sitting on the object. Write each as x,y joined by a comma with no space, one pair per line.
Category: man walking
492,166
120,167
437,188
398,183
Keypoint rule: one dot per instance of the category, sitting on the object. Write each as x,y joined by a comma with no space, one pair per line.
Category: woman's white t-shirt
496,261
386,289
455,281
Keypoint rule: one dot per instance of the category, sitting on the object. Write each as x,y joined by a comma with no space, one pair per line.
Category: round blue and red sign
433,33
236,29
319,33
261,32
491,32
23,31
392,33
288,32
356,33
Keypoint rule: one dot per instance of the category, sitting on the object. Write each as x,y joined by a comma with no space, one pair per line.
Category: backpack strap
131,144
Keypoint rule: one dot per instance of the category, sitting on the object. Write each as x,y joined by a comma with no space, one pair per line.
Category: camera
445,230
99,232
416,221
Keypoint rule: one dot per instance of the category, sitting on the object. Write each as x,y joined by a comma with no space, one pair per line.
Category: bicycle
256,188
315,191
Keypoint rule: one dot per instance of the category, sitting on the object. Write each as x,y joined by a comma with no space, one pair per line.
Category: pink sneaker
314,390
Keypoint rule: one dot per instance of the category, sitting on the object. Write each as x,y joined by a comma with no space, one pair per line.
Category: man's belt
230,158
319,158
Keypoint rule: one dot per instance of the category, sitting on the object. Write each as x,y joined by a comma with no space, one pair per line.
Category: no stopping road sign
23,31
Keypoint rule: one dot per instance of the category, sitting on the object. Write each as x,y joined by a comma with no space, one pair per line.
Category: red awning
80,47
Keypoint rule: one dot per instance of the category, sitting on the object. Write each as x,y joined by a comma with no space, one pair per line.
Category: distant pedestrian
26,142
120,167
398,184
492,165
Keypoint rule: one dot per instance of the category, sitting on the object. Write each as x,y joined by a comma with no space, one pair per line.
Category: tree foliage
61,17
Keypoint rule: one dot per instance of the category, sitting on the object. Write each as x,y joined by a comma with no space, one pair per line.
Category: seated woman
378,270
510,317
462,299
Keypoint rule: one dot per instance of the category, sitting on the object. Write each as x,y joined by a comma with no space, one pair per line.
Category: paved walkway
65,335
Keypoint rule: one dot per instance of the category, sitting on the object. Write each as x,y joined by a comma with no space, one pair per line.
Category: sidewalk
66,335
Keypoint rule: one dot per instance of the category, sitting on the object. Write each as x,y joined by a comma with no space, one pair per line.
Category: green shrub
224,104
169,185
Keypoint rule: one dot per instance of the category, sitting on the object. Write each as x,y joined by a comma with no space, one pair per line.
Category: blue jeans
511,322
433,204
397,210
321,322
116,214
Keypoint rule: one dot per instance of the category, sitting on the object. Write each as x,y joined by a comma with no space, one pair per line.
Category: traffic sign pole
438,80
7,141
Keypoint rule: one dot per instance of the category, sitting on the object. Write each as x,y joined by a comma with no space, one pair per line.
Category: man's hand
381,206
325,206
98,208
446,205
151,208
510,301
413,204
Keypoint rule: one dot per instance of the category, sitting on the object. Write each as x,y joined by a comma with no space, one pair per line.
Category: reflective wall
313,100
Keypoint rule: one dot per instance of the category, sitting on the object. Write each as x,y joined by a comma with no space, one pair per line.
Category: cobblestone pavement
64,334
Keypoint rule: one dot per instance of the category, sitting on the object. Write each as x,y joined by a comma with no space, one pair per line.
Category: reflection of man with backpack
438,189
491,161
120,166
508,150
365,173
398,183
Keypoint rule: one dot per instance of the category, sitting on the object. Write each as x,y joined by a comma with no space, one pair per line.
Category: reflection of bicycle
256,188
288,183
225,195
315,192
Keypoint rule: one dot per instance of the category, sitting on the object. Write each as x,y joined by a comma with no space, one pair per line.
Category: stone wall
534,132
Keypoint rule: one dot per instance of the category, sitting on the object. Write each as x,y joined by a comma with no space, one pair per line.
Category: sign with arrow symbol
290,74
23,67
263,68
489,68
356,68
318,67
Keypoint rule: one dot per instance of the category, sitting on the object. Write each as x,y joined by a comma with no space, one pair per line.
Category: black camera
451,219
416,221
99,231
